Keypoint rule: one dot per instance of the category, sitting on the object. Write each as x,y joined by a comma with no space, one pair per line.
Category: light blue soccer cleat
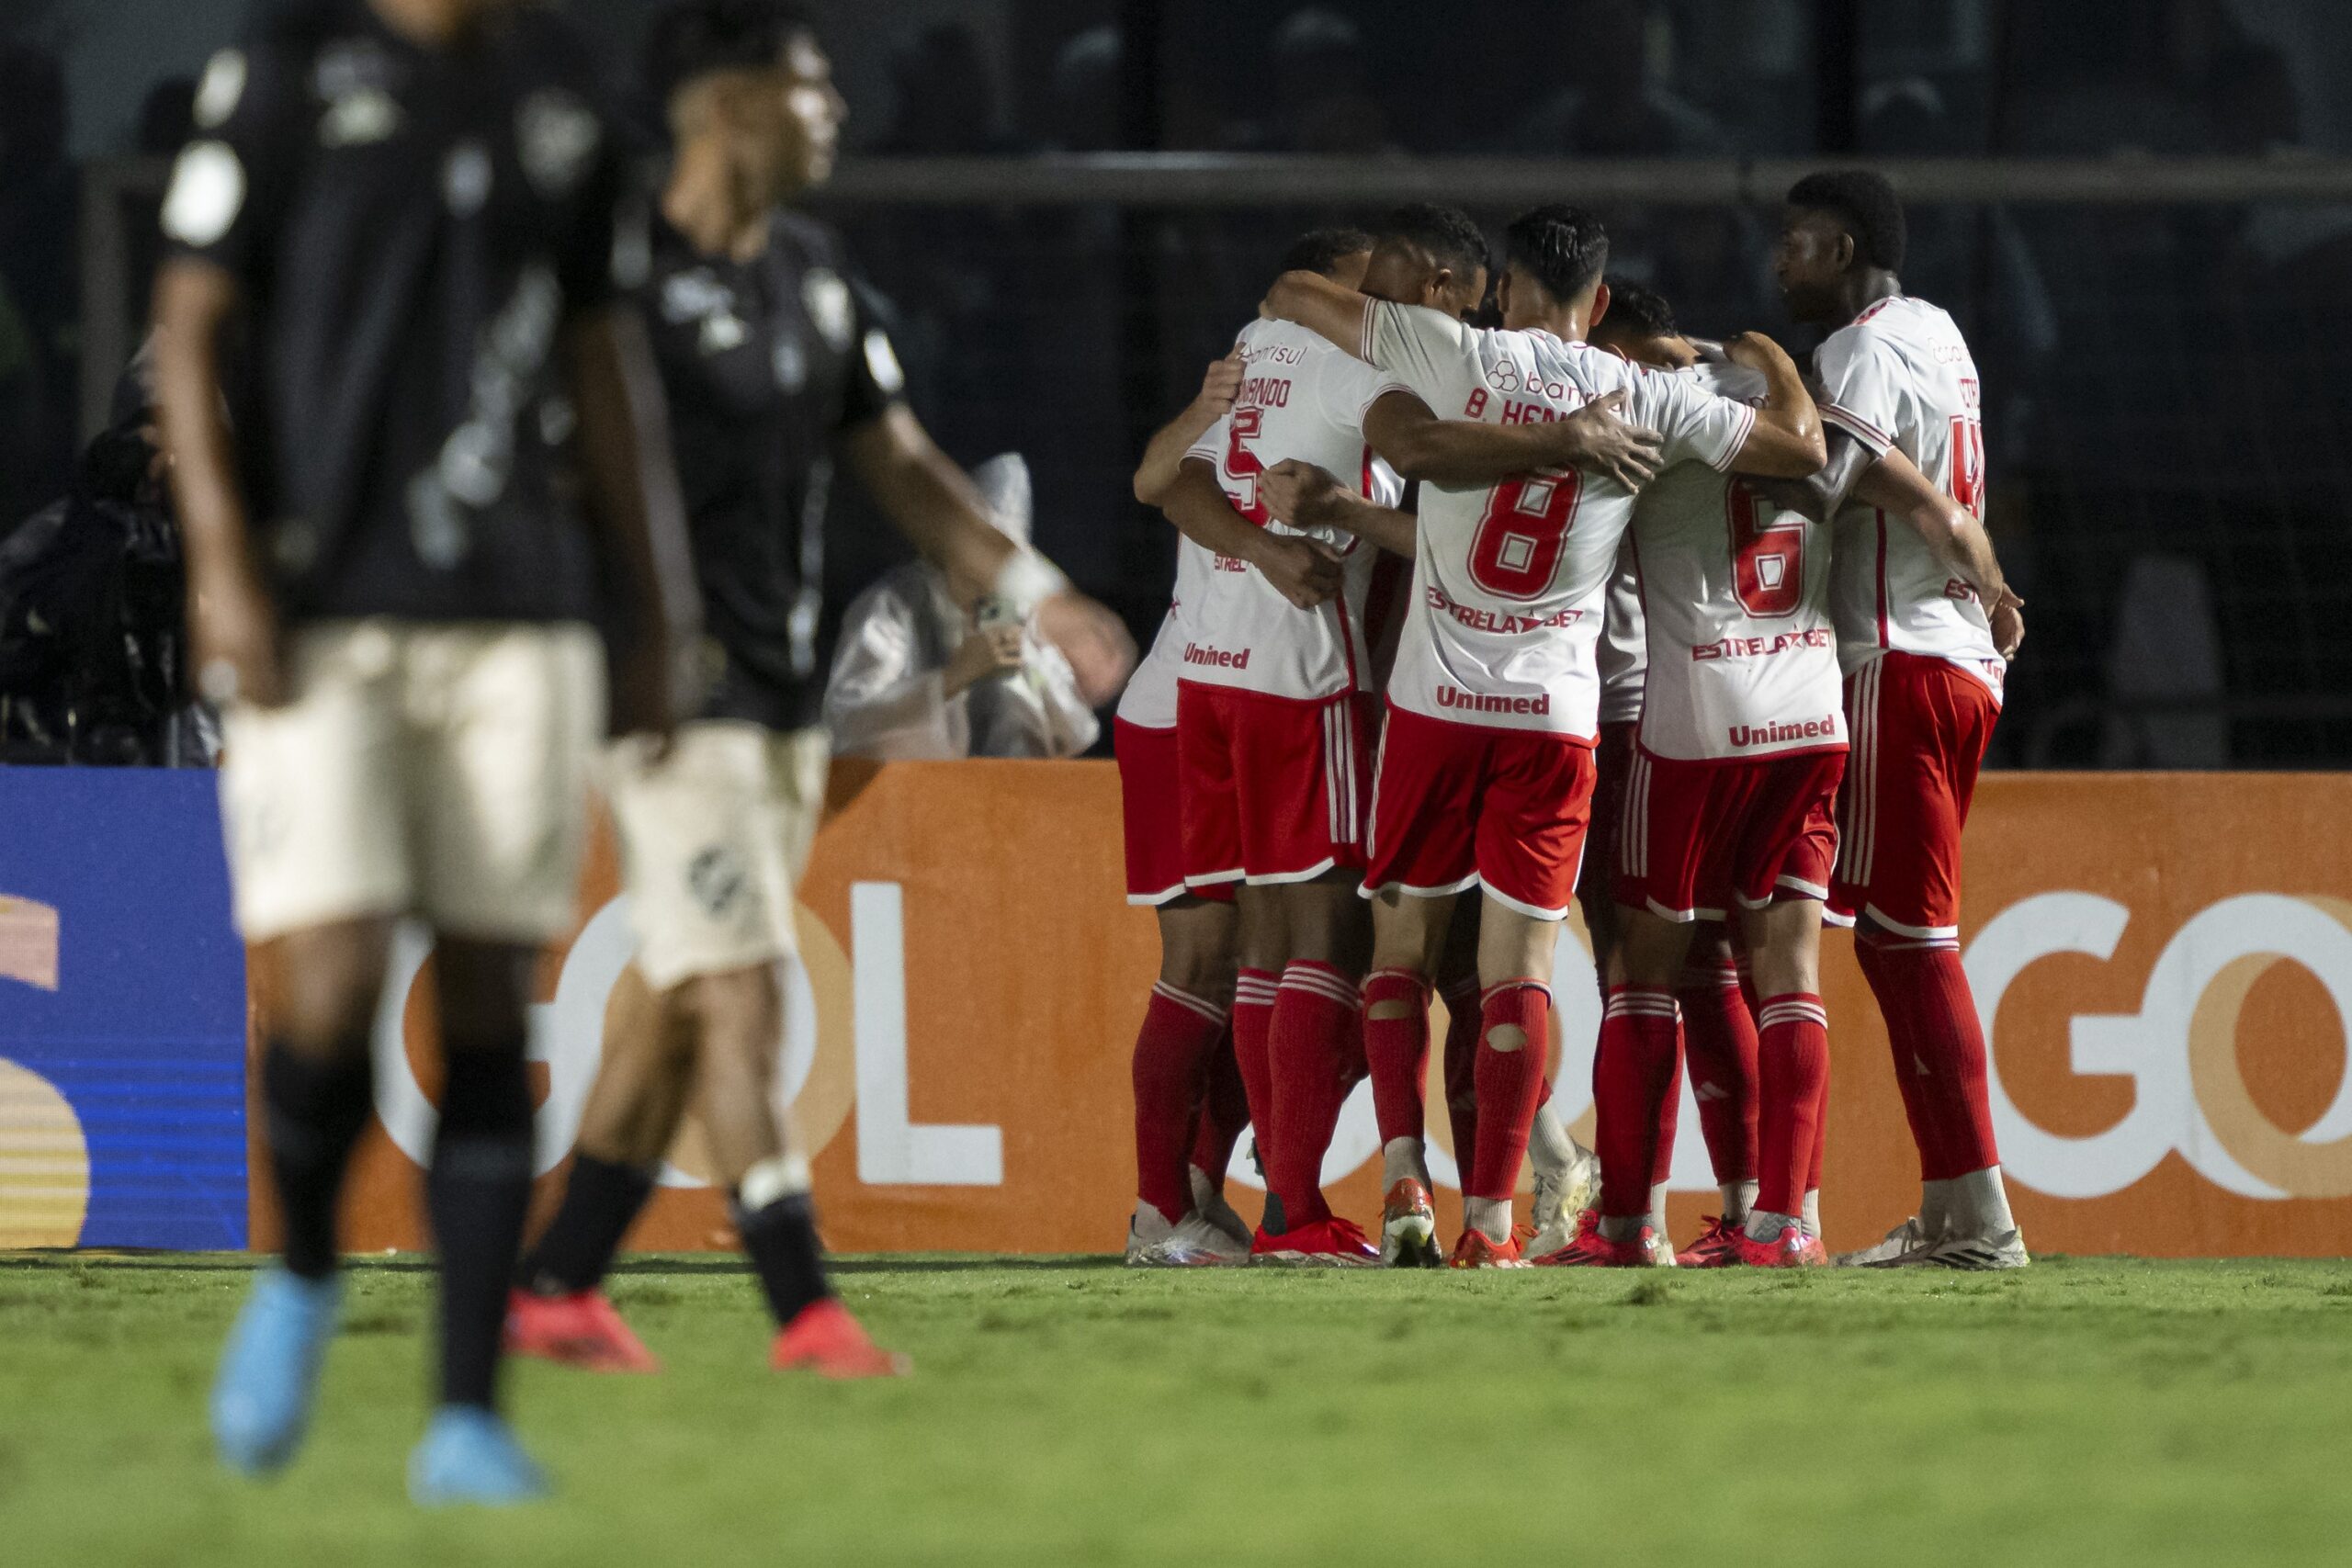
469,1456
270,1370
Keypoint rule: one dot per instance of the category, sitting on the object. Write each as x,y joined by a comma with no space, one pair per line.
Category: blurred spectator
1616,102
37,281
917,678
93,629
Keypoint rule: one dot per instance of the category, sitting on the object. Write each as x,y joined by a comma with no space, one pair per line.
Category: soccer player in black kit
773,362
403,212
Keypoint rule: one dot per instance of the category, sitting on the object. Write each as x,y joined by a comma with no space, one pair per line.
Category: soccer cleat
1146,1233
1210,1204
1325,1243
1590,1249
578,1330
2002,1250
1197,1242
467,1455
827,1341
1475,1251
1900,1248
1562,1192
1792,1248
270,1370
1717,1247
1409,1227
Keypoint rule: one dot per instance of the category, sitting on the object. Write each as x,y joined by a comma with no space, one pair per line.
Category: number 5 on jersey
1242,465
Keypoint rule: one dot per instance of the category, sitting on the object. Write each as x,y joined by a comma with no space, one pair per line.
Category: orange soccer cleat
1590,1249
1475,1251
1409,1227
578,1330
1325,1243
1717,1247
827,1341
1792,1248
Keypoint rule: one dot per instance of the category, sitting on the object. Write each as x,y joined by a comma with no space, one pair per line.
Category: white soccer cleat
1210,1204
1199,1242
2002,1250
1148,1232
1900,1248
1562,1192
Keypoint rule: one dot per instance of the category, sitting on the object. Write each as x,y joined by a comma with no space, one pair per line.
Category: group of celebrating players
1541,597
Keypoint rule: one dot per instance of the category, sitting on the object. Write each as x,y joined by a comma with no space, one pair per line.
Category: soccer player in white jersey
1185,1093
1485,777
1923,623
1727,815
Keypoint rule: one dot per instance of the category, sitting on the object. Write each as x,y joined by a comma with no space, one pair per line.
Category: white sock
1658,1208
1935,1208
1980,1203
1622,1227
1549,1146
1813,1212
1402,1159
1765,1226
1489,1216
1738,1198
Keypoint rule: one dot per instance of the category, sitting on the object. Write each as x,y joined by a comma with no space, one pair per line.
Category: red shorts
1698,836
1459,805
1920,726
1271,785
1152,808
1612,761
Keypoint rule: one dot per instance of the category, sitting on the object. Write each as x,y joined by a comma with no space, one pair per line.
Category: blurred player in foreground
772,359
409,208
1925,626
1486,772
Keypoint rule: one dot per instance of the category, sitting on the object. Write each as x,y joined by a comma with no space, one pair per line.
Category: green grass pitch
1067,1411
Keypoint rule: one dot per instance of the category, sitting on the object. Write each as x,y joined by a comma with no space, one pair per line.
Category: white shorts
714,839
435,771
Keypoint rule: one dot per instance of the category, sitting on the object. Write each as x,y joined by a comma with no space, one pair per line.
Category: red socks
1171,1067
1632,1075
1398,1049
1314,1041
1793,1088
1463,1025
1254,1012
1509,1085
1938,1045
1223,1112
1719,1033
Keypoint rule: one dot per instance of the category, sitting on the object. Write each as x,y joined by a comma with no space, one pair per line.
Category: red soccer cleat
827,1341
1590,1249
1717,1247
1789,1249
580,1330
1327,1244
1475,1251
1409,1227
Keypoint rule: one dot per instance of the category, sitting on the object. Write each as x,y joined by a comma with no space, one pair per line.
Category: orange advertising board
2166,962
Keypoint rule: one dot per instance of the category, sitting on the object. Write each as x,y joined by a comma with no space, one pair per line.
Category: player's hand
234,627
991,651
1303,495
1597,439
1758,353
1221,386
1101,653
1304,572
2008,624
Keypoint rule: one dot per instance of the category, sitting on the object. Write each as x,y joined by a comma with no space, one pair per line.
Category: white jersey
1150,698
1901,376
1300,398
1508,581
1624,648
1743,656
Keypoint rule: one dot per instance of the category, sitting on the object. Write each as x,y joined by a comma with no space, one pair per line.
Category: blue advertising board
122,1013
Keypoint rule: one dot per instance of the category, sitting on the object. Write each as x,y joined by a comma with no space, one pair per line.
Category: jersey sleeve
232,183
876,380
1696,424
1210,447
1425,352
1860,388
1348,388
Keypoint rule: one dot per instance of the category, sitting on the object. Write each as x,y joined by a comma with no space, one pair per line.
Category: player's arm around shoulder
1784,440
1331,309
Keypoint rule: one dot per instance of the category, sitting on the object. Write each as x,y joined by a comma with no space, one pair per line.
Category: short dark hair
695,38
1444,234
1564,247
1638,309
1866,204
1320,249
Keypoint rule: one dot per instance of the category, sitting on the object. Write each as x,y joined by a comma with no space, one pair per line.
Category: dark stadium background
2168,409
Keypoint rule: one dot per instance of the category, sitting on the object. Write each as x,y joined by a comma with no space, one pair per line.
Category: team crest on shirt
698,296
356,81
827,298
556,136
716,877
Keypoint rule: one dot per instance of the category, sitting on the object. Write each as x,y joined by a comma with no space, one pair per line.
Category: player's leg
1183,1030
1314,1036
1224,1115
1793,1077
1408,934
1719,1043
